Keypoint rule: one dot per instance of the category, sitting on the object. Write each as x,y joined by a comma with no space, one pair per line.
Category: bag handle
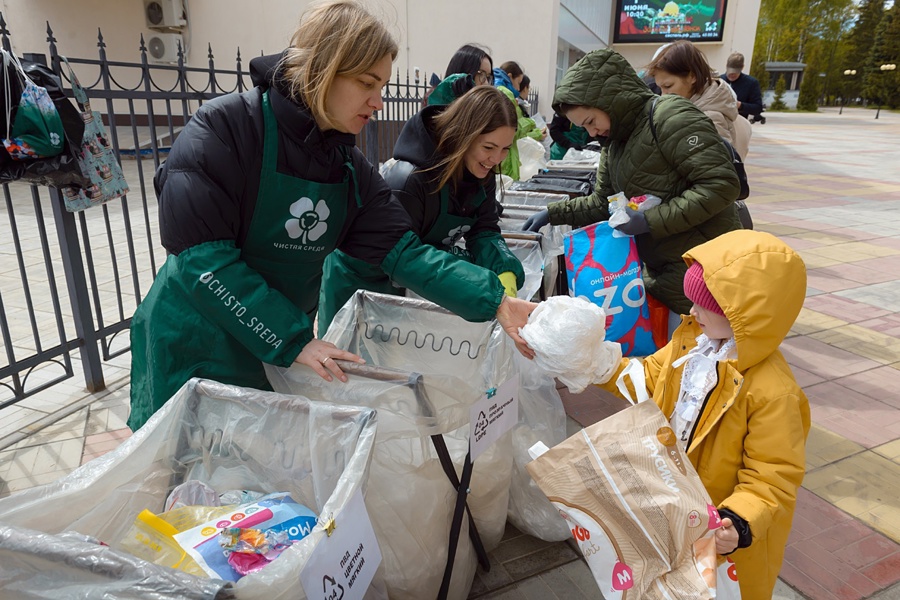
635,372
11,59
81,96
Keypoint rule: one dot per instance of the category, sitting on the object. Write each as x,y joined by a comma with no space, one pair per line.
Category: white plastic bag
618,203
531,156
227,436
567,335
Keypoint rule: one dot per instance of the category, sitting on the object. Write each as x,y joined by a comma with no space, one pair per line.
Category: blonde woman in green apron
259,188
447,157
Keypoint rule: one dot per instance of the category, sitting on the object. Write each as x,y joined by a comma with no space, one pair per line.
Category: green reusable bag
34,129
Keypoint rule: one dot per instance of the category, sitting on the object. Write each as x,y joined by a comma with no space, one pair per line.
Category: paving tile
563,586
887,324
891,450
537,562
885,572
882,383
812,579
866,551
824,447
880,296
862,342
822,359
810,321
847,309
885,518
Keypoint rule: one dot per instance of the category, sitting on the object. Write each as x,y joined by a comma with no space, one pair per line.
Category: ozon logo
632,296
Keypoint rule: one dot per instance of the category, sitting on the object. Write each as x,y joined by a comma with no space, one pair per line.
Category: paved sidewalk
829,185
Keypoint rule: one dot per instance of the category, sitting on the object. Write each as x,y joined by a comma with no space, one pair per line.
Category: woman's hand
727,537
320,356
513,314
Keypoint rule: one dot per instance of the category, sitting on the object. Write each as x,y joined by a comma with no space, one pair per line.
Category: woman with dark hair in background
472,60
508,79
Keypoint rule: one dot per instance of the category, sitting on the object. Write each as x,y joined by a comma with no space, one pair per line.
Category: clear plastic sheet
517,207
226,436
426,367
527,248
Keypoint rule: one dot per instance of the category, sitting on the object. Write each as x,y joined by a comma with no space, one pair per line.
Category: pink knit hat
696,291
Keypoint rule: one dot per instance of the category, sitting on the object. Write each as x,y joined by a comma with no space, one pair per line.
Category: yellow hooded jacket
749,441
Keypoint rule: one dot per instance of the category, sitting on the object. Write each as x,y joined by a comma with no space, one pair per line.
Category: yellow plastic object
152,536
508,279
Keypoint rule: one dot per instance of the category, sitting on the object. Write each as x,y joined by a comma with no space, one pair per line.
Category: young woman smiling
447,157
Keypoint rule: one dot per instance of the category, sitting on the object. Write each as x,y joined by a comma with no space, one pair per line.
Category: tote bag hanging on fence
95,157
33,126
607,271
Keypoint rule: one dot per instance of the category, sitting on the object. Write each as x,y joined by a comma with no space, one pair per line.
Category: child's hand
726,537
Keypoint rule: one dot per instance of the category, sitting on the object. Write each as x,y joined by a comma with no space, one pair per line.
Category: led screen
661,21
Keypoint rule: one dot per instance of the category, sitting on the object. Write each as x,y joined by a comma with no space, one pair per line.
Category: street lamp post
884,71
847,73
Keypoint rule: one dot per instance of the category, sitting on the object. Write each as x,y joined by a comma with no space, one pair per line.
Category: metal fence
69,283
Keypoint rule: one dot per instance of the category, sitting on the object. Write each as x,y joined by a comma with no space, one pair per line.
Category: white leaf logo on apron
309,224
454,234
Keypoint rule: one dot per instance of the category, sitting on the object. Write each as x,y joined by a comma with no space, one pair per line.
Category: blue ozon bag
607,271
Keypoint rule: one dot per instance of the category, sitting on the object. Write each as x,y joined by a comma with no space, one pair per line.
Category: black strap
462,491
456,525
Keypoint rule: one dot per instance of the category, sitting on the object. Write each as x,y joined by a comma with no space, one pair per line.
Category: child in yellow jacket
731,398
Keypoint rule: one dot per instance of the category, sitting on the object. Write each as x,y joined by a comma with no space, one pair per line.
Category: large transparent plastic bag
531,156
226,436
526,246
426,367
517,207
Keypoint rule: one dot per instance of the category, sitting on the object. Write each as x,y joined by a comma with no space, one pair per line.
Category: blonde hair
481,110
334,38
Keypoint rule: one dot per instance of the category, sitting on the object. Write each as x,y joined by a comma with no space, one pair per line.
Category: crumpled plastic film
567,335
227,436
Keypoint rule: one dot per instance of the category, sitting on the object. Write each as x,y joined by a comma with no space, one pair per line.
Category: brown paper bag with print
635,505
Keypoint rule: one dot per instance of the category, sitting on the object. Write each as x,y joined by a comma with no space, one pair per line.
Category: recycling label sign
492,416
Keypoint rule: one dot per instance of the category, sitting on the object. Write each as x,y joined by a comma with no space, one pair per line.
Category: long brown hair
481,110
334,38
681,59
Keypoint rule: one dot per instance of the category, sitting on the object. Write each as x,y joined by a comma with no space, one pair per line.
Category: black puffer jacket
688,167
208,191
414,181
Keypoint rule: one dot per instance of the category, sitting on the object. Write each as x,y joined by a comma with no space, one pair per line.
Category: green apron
295,226
344,275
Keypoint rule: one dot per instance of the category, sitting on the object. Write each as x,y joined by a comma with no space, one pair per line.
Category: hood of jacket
759,282
718,96
417,143
603,79
501,79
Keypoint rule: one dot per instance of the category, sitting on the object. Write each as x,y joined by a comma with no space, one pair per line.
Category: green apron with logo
295,226
344,275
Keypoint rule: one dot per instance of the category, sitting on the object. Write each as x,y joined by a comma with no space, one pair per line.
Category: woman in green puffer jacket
688,167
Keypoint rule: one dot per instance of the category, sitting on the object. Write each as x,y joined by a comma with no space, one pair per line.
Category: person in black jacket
444,175
746,88
258,190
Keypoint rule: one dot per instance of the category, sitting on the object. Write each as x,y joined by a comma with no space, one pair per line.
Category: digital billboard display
661,21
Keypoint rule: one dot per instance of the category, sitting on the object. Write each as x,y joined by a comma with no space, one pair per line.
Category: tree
778,101
882,86
809,92
807,31
860,42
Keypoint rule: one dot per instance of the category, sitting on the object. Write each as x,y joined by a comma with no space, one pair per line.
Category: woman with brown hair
444,176
259,188
681,68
